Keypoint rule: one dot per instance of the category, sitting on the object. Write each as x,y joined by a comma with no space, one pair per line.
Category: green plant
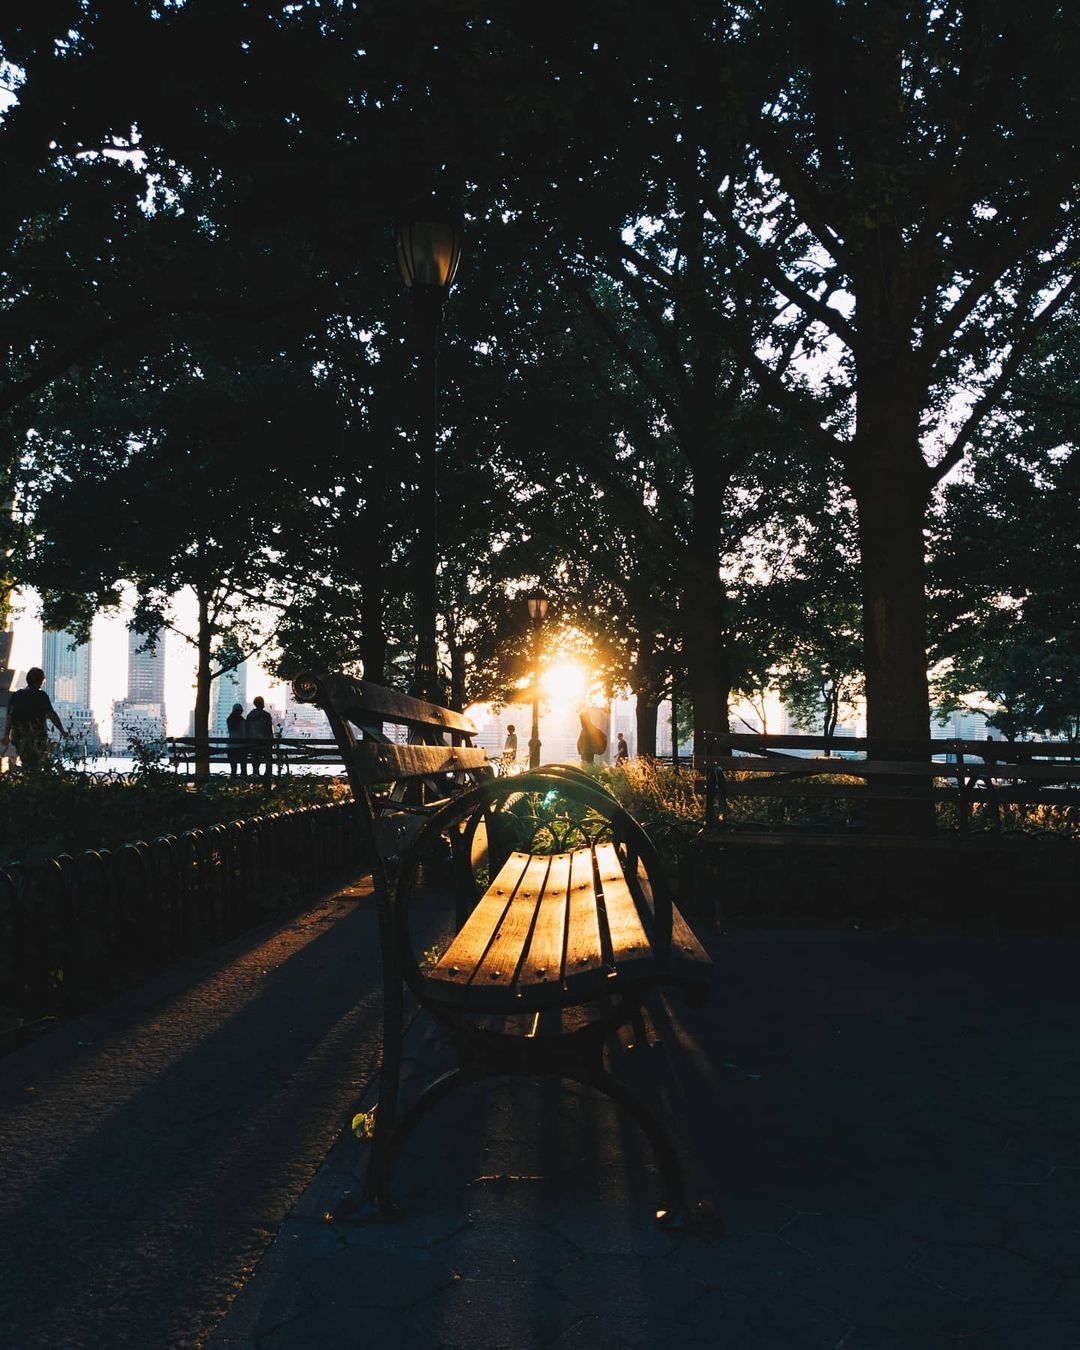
363,1124
431,957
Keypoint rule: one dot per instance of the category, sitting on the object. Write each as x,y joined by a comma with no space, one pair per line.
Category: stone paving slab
888,1124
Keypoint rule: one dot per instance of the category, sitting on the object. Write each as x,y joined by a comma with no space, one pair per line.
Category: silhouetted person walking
260,739
28,711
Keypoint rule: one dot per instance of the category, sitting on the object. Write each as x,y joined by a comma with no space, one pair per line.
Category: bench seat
561,928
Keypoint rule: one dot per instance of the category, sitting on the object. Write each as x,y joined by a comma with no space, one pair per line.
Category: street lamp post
428,253
538,608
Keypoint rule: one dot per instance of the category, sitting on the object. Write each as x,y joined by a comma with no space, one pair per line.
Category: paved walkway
890,1126
149,1151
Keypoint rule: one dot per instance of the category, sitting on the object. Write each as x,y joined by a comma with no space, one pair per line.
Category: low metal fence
76,930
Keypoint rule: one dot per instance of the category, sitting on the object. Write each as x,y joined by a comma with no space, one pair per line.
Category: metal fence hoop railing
74,930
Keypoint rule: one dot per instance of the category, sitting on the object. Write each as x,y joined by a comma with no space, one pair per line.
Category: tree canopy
727,260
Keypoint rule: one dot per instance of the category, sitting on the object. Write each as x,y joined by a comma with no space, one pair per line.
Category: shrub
44,815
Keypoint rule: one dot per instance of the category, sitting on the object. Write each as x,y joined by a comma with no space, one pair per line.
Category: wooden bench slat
497,969
366,704
376,762
541,975
631,950
451,976
689,960
585,965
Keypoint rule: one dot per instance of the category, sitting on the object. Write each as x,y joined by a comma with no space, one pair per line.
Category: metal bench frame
485,1025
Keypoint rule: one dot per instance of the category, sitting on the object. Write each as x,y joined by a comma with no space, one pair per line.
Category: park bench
562,921
987,773
290,754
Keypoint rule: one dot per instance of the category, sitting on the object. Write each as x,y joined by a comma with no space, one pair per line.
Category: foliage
546,822
800,613
363,1124
1006,561
656,793
671,805
47,814
857,214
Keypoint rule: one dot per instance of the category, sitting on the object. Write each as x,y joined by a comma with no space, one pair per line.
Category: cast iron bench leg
383,1162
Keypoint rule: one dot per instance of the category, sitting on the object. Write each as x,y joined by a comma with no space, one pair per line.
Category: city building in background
303,721
229,688
66,663
139,719
146,667
961,725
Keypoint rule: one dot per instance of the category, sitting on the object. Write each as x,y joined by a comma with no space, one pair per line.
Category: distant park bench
562,920
289,753
989,773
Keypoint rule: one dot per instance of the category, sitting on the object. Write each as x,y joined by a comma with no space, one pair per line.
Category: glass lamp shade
428,253
538,606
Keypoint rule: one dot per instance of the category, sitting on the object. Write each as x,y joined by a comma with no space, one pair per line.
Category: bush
666,800
44,815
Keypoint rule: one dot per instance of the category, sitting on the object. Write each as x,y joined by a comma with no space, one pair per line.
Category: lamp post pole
538,608
428,255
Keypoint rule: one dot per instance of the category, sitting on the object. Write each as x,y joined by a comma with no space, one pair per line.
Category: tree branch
1020,348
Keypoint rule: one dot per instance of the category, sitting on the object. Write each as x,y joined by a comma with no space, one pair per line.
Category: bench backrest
412,777
361,715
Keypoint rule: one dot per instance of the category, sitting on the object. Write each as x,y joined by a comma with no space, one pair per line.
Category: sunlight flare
565,684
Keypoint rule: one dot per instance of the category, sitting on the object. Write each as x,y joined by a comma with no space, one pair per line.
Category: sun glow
565,684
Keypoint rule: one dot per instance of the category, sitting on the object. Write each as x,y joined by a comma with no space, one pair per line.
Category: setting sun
565,684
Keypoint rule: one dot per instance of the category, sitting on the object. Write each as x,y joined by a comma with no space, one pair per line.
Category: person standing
509,754
592,741
260,739
237,727
28,711
622,750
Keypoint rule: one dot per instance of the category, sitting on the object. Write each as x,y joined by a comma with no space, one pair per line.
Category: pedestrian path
889,1124
149,1151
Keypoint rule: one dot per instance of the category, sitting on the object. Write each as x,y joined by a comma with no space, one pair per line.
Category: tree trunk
457,672
674,724
646,683
371,551
372,643
832,715
703,607
645,723
202,689
891,484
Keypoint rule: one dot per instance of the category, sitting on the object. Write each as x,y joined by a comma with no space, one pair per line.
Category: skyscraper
66,663
227,689
146,668
141,716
